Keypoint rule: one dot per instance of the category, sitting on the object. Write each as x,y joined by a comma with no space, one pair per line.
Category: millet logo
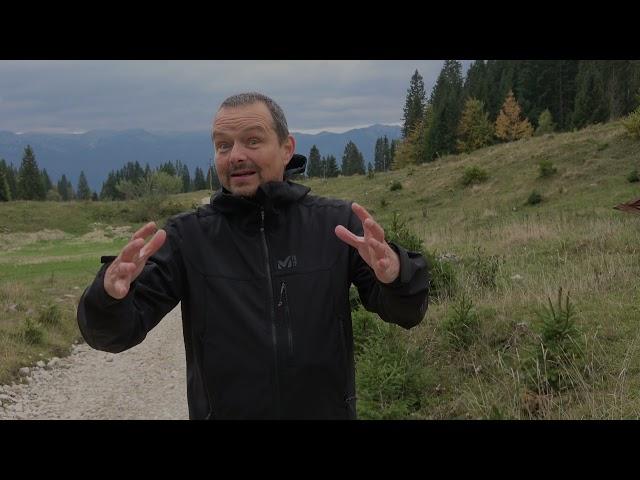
289,262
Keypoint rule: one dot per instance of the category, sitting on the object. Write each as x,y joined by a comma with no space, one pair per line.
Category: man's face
248,152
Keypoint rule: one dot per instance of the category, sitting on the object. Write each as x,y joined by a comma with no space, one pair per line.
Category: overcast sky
75,96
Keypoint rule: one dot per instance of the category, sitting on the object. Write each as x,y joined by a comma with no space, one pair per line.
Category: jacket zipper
284,301
272,312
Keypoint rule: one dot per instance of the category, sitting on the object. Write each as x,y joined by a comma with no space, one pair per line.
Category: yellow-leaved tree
509,126
475,129
409,149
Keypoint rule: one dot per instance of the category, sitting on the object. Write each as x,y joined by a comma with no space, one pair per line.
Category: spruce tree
46,181
84,192
5,192
475,82
109,188
352,160
590,103
72,193
213,182
332,167
314,168
186,179
63,188
30,185
392,152
378,155
12,179
414,103
446,104
199,181
388,157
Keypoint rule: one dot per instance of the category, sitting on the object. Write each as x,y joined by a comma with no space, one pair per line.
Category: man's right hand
128,265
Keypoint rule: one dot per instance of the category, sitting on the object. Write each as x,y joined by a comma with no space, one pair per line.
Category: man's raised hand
372,247
128,265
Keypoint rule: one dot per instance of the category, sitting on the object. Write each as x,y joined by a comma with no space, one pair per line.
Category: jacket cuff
405,273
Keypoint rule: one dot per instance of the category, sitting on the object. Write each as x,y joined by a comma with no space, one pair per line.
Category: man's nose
238,153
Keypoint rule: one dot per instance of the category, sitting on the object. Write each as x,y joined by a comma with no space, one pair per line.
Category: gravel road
145,382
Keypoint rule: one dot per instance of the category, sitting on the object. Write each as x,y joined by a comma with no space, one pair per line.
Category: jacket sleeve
116,325
403,301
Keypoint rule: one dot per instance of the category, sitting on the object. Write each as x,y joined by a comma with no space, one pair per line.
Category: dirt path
145,382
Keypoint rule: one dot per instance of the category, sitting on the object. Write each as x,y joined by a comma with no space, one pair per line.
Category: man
263,274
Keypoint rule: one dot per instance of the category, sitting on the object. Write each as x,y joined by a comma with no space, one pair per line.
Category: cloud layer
180,95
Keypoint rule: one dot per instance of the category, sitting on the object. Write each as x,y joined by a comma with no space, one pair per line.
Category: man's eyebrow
252,128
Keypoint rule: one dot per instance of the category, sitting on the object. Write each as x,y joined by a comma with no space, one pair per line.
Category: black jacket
264,287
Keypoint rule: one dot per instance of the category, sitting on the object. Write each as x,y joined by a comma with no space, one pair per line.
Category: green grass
49,253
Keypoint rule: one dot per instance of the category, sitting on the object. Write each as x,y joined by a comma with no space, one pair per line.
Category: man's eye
253,141
223,146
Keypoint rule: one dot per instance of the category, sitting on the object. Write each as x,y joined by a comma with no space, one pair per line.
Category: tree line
497,101
28,182
505,100
126,182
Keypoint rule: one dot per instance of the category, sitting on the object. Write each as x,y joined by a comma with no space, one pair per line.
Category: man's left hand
372,247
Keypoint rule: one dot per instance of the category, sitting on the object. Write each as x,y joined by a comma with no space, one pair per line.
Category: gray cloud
183,95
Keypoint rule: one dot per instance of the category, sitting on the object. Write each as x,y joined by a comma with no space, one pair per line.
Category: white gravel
143,383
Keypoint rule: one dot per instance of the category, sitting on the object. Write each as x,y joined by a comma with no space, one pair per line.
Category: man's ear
290,148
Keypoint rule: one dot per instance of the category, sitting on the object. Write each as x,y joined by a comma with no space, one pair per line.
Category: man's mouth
243,173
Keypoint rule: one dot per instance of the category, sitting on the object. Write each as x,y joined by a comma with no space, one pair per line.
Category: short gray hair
249,98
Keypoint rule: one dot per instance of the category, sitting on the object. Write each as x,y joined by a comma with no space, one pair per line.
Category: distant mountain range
98,152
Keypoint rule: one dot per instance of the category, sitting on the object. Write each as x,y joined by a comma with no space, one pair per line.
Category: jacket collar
271,196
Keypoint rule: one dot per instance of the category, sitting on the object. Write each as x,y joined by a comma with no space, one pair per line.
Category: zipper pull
262,219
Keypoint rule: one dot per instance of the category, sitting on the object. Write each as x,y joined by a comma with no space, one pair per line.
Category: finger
130,251
348,237
360,212
379,249
125,270
375,230
145,231
154,244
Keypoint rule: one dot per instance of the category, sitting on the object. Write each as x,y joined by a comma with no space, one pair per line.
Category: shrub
547,169
534,198
32,332
383,203
474,175
51,315
633,176
559,352
632,123
354,298
462,326
390,375
484,268
443,281
396,185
